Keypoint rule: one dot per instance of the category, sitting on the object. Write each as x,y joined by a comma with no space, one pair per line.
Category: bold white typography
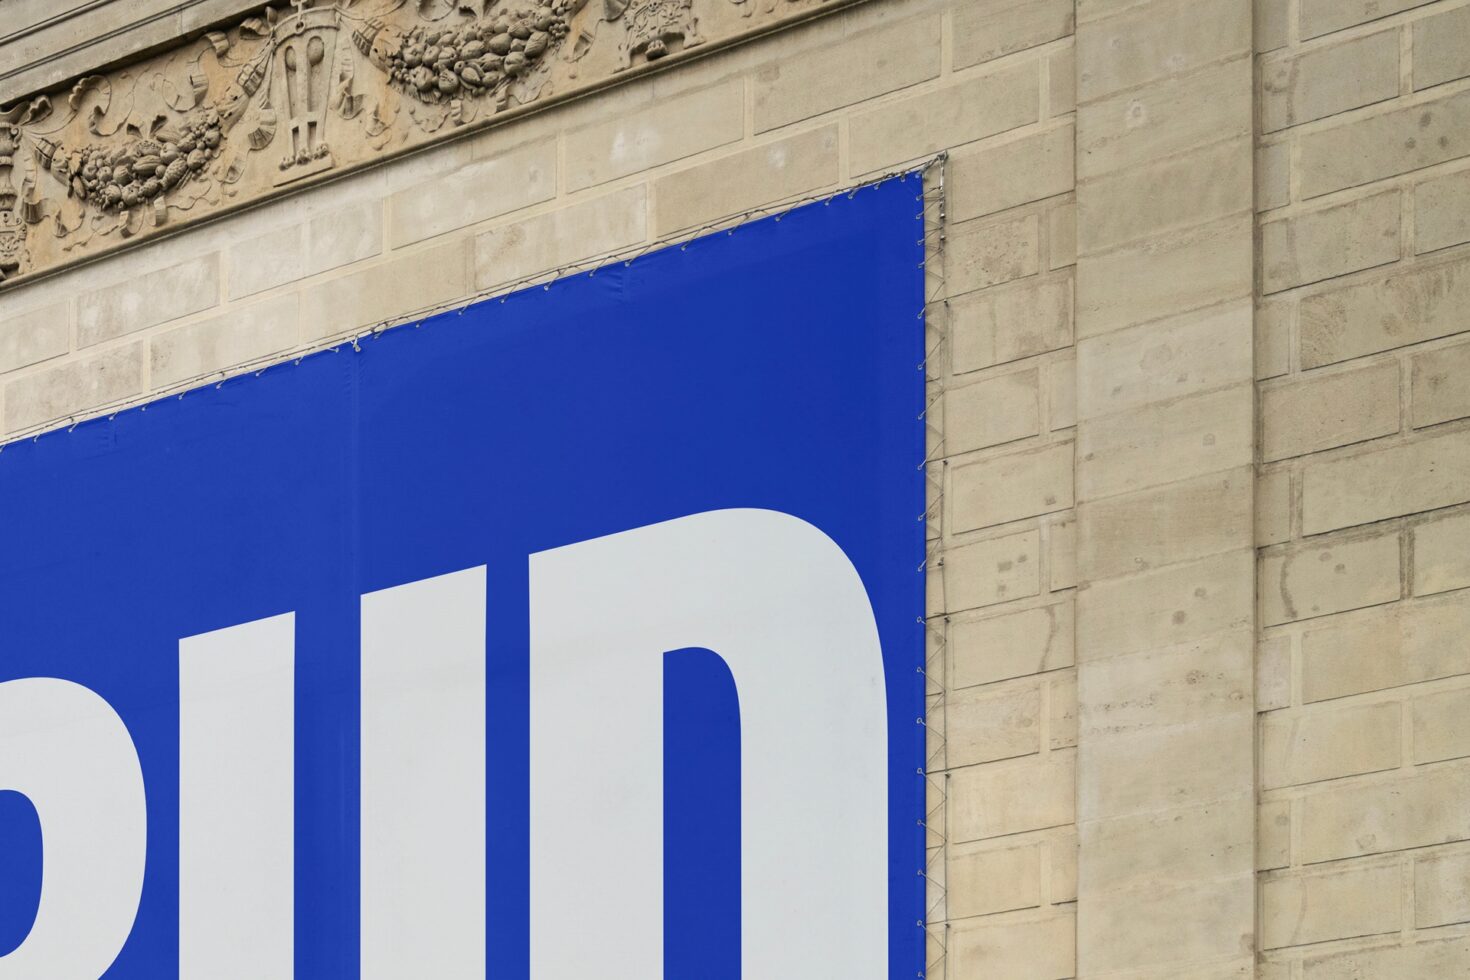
772,595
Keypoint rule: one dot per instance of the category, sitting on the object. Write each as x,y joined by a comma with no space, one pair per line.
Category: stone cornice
310,90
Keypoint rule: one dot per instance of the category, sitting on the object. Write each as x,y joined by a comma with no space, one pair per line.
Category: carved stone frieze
307,88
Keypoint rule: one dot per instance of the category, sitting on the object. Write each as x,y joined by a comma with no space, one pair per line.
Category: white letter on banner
423,779
63,747
781,603
237,802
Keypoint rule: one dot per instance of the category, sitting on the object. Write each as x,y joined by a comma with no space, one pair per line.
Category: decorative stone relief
304,89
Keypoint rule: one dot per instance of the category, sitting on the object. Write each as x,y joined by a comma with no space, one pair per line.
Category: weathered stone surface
1319,580
1160,526
1273,507
1012,797
1308,746
1399,479
1008,323
983,724
603,225
34,336
987,253
74,386
1007,175
1153,40
1406,308
860,67
143,301
1444,958
1384,145
669,129
1320,17
1037,946
1387,647
1159,690
1163,767
1166,607
1442,212
1317,245
1324,81
1441,890
1273,175
1310,415
1011,645
1273,835
729,185
988,29
242,335
482,190
1442,555
1008,487
1339,904
971,109
997,570
1185,928
388,291
1442,47
1422,808
1442,727
1273,673
992,411
1134,853
985,880
1441,385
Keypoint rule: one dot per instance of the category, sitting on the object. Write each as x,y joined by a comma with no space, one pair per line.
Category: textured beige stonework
1198,426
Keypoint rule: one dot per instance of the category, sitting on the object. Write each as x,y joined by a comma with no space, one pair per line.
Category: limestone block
1150,199
997,570
1389,482
1445,958
34,336
1059,375
1064,868
1010,645
1012,797
343,236
1273,673
988,29
1166,607
1274,320
1061,72
1273,835
1442,555
1159,690
1441,890
1164,443
1160,526
1387,647
968,110
1334,241
530,247
991,411
1273,175
1340,904
1163,766
668,130
1310,746
1158,39
986,253
1407,308
1063,555
1007,323
731,184
1306,416
1305,582
1188,925
1441,385
386,291
1036,947
984,880
1424,808
1441,47
1273,24
1061,718
1442,726
1061,235
1166,117
1138,852
1132,368
74,387
998,489
484,189
1273,508
1166,276
1384,145
148,299
1320,17
267,260
852,70
984,724
204,347
994,178
1442,211
1324,81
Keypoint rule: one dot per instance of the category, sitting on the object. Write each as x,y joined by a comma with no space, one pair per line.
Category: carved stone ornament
308,88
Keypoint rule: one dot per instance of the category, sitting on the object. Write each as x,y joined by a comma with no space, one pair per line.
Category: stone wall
1363,356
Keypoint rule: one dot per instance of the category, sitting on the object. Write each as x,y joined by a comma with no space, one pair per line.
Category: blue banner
574,634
